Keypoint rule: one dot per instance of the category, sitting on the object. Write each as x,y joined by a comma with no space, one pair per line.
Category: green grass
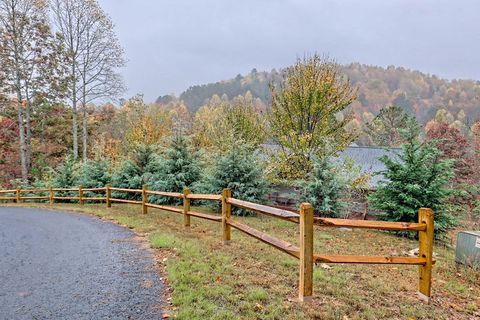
250,280
162,241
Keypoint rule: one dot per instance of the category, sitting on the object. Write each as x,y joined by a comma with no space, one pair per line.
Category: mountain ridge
419,93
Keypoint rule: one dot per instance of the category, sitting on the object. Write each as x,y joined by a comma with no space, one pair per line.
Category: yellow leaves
181,119
146,130
220,122
306,116
137,123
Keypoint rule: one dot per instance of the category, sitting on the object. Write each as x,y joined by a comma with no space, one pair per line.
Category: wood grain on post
108,196
50,195
305,288
80,195
144,199
425,250
226,214
186,207
18,198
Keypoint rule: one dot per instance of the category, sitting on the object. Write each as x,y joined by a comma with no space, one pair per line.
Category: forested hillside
416,92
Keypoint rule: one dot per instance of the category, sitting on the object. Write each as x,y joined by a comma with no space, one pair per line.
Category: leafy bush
239,169
323,189
417,178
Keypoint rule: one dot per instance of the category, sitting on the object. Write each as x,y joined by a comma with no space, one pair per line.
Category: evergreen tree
66,174
94,174
323,189
181,166
384,128
239,170
416,178
179,169
134,173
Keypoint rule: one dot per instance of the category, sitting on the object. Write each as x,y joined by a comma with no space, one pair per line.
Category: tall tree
220,123
454,145
417,177
94,56
306,117
29,61
384,129
475,129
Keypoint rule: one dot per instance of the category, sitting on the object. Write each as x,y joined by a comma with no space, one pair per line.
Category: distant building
367,158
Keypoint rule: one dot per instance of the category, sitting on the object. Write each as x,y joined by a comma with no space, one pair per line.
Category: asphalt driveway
60,265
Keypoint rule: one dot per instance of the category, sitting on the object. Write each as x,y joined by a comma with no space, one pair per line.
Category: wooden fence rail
304,218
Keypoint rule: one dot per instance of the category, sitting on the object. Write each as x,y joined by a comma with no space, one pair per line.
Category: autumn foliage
454,145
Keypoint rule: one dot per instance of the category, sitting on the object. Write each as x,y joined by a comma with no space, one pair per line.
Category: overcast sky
171,45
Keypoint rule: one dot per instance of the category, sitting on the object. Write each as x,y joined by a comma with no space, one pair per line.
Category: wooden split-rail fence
304,218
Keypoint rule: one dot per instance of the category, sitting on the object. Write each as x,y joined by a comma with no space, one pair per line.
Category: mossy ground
250,280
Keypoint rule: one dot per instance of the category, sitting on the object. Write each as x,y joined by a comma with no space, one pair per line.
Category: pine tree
323,189
416,178
239,169
384,128
94,174
179,169
181,165
132,174
66,174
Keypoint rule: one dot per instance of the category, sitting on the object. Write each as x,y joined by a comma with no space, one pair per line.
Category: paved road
58,265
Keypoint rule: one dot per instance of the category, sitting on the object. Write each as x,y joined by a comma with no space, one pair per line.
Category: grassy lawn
250,280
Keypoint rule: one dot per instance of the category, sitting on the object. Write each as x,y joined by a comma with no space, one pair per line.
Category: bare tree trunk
23,144
85,132
28,130
74,116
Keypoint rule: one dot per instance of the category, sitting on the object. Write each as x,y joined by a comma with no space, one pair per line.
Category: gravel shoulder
60,265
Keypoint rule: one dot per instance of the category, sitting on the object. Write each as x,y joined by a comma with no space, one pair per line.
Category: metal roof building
367,158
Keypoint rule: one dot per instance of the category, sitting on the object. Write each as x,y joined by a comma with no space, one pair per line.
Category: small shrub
239,169
66,174
179,169
94,174
323,189
134,173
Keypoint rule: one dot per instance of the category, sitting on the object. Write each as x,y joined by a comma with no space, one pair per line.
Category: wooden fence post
305,288
108,195
425,250
186,207
226,214
18,196
80,195
50,196
144,199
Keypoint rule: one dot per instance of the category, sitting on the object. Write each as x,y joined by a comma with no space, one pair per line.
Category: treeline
419,94
53,54
241,144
